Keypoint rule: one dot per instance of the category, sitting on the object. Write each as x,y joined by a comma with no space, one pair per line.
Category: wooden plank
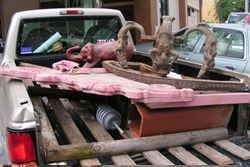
185,156
212,154
32,65
99,132
156,158
72,132
242,118
153,156
79,137
46,128
234,149
48,137
117,147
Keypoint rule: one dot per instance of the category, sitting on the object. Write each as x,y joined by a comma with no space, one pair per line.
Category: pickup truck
50,117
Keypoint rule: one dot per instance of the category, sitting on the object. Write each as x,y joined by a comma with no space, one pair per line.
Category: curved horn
128,26
205,29
122,43
210,49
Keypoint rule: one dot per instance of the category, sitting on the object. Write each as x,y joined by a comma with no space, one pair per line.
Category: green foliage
224,7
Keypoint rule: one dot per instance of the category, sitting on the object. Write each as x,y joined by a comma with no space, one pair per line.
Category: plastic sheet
48,43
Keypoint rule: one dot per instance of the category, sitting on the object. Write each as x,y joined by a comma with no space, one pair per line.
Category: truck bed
67,119
72,122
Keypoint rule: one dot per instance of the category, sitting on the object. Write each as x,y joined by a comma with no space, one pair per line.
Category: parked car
233,41
238,17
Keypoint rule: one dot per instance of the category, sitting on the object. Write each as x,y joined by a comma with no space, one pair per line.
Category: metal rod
119,129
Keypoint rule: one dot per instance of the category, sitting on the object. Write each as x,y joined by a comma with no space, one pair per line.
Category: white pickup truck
46,123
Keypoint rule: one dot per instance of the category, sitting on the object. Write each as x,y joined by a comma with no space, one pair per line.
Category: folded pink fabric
65,65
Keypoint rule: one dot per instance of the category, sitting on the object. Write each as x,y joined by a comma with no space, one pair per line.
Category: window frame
230,43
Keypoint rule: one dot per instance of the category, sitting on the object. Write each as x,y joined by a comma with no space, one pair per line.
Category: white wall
194,18
174,11
193,4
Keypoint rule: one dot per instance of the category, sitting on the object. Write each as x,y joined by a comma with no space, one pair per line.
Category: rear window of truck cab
238,17
56,35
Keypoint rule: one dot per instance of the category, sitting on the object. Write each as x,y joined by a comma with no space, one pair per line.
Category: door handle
230,67
186,53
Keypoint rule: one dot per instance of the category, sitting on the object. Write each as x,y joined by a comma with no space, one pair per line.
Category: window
192,39
163,9
65,32
236,47
189,12
230,43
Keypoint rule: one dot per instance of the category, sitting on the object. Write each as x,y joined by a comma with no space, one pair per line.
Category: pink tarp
99,81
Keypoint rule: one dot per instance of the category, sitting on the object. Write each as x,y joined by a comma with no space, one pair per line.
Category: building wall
182,13
146,15
178,9
146,12
193,18
208,8
174,11
154,7
9,7
194,4
195,10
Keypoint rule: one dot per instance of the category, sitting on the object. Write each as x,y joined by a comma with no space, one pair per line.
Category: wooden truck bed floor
72,121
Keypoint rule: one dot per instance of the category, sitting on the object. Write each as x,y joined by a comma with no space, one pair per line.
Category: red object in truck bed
143,121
